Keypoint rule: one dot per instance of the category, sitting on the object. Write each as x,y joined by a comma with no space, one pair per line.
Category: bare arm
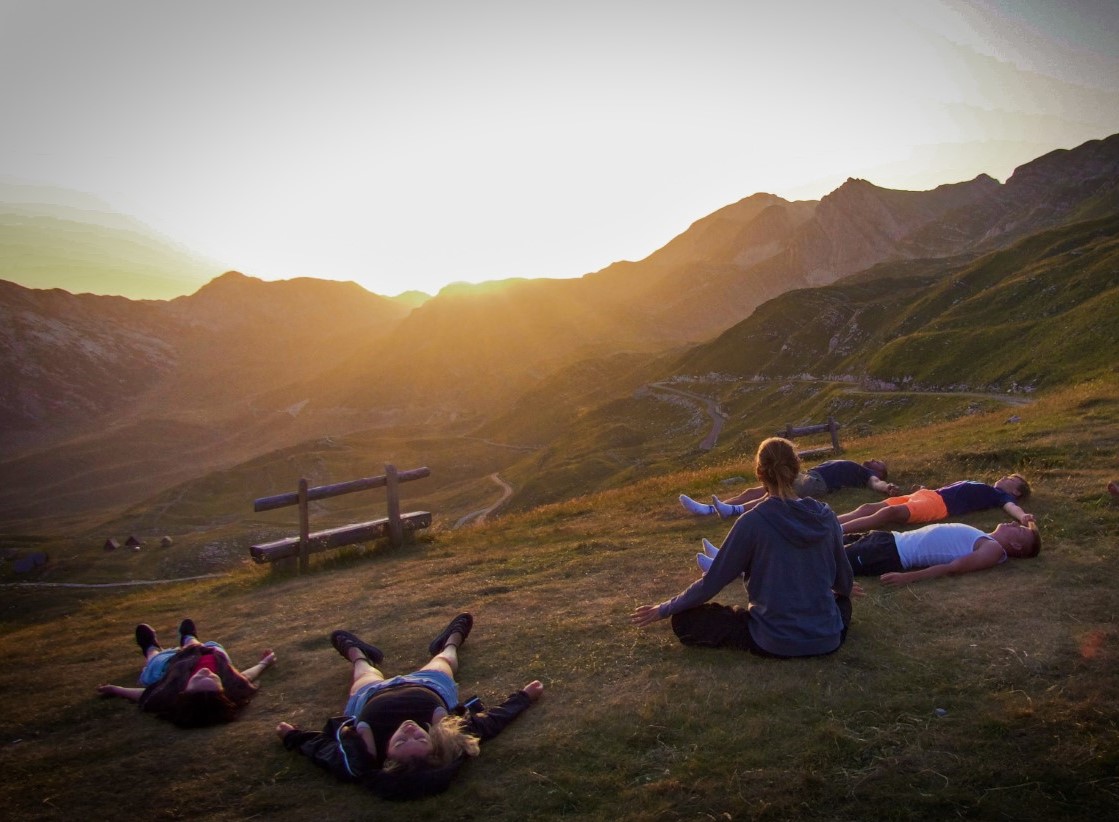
1015,511
887,489
987,555
267,660
116,690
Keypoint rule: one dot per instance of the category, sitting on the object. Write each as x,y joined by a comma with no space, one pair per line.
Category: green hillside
990,696
1038,314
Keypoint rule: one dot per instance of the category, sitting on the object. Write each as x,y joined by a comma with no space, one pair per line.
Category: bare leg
749,495
864,510
364,673
447,659
882,518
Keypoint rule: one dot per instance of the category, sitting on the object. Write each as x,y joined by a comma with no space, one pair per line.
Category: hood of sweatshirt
803,522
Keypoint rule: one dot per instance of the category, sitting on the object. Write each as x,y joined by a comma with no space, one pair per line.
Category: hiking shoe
186,628
460,624
146,638
344,640
701,509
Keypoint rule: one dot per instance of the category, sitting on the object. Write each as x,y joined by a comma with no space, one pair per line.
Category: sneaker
146,638
344,640
697,508
709,549
703,561
724,510
187,629
461,624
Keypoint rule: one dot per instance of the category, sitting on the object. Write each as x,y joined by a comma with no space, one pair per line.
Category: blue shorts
156,667
436,681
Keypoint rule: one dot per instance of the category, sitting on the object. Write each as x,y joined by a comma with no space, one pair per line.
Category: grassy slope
632,725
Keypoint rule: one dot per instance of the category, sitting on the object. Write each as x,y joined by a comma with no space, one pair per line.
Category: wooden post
392,488
834,428
304,527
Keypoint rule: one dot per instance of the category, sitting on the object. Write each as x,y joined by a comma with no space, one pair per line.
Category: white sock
703,561
725,511
699,508
709,549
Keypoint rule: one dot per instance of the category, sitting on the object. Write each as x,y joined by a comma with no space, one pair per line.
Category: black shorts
873,554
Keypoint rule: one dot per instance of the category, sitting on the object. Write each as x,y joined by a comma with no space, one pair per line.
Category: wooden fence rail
831,426
394,525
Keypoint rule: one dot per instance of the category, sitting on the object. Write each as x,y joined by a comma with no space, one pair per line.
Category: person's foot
703,561
146,638
724,510
343,641
459,625
709,549
697,508
187,629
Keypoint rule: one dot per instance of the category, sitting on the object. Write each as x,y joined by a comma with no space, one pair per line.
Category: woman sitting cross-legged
407,736
192,685
799,582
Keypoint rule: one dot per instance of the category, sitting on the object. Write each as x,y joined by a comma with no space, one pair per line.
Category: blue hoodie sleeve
732,561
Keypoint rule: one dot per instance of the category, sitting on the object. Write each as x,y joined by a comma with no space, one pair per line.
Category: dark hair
414,780
871,466
196,709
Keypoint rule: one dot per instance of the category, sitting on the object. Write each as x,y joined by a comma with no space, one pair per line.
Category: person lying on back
816,482
940,549
926,505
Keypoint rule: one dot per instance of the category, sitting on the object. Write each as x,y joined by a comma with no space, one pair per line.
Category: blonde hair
777,466
449,741
1023,485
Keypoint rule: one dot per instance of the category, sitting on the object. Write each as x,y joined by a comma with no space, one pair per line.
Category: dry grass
1021,661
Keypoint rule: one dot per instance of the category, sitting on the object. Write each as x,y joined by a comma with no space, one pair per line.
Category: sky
408,145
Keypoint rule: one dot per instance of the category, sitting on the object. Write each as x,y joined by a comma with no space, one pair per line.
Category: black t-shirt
388,708
838,474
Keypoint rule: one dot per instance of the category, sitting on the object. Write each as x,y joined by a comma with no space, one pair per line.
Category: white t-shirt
937,544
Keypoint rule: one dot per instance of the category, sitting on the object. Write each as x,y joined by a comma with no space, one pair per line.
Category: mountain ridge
263,364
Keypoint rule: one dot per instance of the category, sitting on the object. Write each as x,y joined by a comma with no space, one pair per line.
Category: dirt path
479,516
718,418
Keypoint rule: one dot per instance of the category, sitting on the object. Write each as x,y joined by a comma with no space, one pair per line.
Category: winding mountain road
718,418
479,516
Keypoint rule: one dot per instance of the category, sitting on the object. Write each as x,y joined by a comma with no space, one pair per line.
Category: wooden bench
394,526
831,426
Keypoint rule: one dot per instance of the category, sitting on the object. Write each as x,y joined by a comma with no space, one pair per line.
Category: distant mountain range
970,284
56,238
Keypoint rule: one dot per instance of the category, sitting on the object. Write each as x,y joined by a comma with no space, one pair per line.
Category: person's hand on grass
534,690
645,615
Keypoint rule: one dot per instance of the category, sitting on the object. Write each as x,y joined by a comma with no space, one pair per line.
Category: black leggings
728,626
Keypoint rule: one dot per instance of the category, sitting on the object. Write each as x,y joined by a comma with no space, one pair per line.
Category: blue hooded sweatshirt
791,555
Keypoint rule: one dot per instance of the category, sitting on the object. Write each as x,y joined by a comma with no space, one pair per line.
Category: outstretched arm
488,724
116,690
267,660
987,555
887,489
645,615
1016,511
